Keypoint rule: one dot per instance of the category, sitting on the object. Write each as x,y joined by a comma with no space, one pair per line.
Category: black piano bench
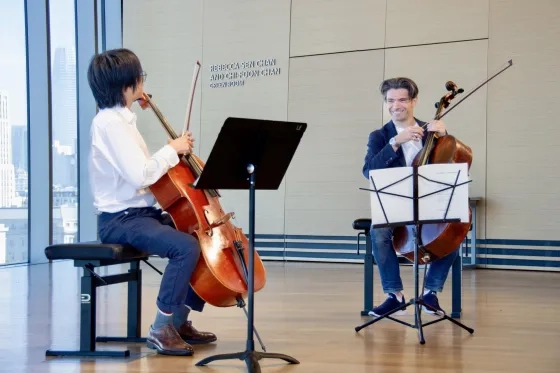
89,255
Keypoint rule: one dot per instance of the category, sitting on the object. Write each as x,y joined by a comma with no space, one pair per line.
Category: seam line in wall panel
201,78
485,199
384,48
287,119
385,31
384,62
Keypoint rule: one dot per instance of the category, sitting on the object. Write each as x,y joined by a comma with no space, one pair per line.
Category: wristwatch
393,142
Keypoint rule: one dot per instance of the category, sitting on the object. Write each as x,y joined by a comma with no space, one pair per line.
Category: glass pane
13,134
64,121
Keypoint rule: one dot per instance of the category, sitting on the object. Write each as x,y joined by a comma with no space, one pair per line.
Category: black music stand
417,301
251,154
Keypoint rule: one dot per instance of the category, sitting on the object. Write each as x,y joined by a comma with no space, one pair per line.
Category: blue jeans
148,230
388,263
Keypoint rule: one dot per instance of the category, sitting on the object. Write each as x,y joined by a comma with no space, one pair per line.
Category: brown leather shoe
193,336
167,341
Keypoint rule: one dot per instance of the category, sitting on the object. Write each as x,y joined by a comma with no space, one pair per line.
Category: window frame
39,112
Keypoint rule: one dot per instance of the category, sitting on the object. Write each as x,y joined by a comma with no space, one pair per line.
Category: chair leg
368,277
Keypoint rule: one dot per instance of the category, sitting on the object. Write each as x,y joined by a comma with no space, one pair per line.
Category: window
13,134
64,120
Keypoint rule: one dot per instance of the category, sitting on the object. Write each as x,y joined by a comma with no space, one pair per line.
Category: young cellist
121,170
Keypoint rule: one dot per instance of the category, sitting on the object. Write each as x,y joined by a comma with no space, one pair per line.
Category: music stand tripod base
250,356
417,301
250,154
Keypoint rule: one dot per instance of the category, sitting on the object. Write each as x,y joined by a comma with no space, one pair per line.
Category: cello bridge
218,222
222,220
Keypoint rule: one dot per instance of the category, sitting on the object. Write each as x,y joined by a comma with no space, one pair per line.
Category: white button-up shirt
121,168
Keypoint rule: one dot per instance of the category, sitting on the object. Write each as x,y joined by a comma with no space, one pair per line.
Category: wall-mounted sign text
234,74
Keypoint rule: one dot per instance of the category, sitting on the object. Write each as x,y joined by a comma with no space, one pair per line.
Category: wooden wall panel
168,51
523,198
435,21
252,39
334,94
331,26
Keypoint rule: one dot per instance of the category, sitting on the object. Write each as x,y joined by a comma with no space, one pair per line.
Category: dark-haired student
396,144
121,171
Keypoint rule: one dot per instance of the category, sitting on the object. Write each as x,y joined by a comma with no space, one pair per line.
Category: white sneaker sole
430,312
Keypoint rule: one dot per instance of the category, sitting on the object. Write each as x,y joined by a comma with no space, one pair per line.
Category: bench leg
88,323
456,279
368,277
134,309
134,325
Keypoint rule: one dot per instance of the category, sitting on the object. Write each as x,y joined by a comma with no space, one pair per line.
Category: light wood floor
306,310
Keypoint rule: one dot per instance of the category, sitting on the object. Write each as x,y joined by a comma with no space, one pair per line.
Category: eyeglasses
143,74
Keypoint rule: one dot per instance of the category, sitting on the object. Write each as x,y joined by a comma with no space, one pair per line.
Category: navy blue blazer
382,155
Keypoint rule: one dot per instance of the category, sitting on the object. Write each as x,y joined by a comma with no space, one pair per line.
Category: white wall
332,56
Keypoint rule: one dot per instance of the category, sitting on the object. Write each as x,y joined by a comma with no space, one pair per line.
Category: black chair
89,255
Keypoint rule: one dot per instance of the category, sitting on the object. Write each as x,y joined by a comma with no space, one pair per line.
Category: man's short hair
397,83
110,73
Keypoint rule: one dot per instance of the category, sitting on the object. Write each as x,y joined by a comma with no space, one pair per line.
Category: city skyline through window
14,163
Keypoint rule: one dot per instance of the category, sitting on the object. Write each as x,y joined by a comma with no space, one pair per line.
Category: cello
438,239
220,277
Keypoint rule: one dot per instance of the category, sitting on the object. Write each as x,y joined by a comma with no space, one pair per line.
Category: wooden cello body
439,239
220,276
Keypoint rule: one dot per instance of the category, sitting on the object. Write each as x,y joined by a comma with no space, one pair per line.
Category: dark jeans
151,232
388,263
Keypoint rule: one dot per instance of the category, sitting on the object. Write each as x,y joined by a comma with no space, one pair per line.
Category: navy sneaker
390,304
431,300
